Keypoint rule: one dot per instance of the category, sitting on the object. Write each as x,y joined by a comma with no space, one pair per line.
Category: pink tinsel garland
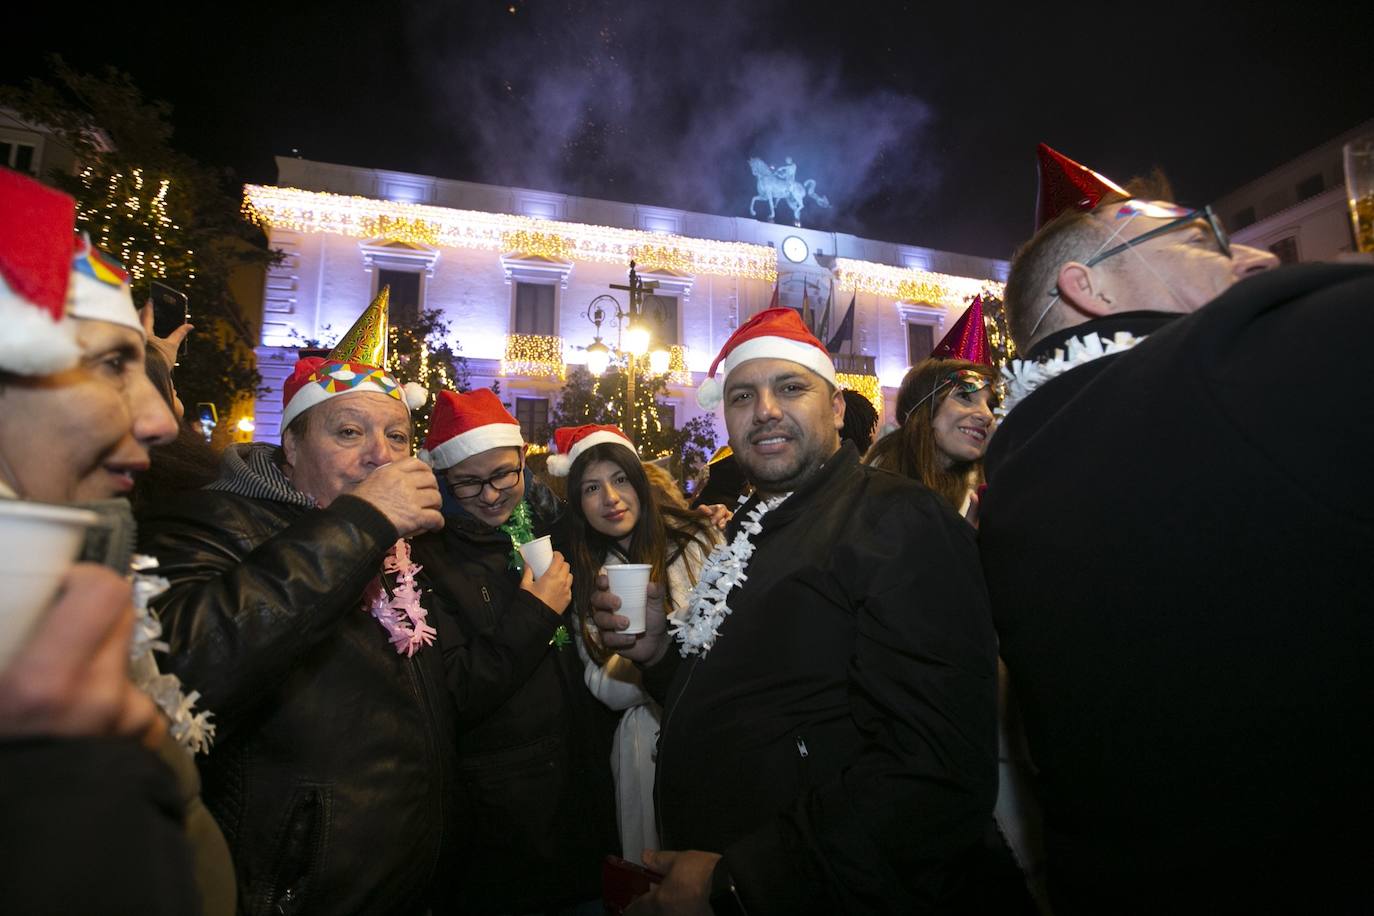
399,611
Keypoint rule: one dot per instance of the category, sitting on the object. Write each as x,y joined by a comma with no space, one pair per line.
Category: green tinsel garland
520,529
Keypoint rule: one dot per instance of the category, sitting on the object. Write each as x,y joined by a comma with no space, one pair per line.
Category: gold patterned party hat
365,342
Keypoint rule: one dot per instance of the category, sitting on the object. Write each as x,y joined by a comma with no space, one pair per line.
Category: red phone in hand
622,881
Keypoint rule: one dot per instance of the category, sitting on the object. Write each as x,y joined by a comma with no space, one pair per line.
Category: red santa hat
1068,185
771,334
968,339
355,364
36,245
464,425
572,441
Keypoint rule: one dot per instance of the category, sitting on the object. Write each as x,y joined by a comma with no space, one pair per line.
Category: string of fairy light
534,356
911,284
364,217
866,385
126,216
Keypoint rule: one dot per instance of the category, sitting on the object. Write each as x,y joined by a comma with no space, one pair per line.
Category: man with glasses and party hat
293,608
533,744
1177,542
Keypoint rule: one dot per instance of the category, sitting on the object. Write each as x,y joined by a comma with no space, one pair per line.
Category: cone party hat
365,342
1068,185
968,339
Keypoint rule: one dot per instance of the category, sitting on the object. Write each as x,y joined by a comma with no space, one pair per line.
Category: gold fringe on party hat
365,342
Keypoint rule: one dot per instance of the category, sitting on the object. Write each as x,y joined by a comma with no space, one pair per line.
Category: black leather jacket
332,773
534,775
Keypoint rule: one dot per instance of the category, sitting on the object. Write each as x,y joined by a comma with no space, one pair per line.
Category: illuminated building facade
513,271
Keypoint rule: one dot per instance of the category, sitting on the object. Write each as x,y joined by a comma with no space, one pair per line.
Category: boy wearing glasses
533,744
1182,601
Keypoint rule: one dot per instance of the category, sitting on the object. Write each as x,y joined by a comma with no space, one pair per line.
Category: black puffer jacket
331,776
538,804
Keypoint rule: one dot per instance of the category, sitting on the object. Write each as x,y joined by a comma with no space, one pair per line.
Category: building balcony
853,363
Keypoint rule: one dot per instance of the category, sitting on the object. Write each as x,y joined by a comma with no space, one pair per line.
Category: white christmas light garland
725,568
1024,376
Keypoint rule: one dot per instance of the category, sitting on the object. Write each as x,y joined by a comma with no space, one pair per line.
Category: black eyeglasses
1204,213
501,481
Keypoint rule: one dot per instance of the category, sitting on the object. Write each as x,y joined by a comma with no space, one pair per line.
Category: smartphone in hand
622,881
171,309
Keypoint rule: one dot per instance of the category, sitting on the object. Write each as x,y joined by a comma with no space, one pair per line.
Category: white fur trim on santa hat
32,343
473,442
90,299
807,355
311,393
561,465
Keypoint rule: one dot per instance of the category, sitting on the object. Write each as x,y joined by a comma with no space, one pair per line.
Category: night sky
919,122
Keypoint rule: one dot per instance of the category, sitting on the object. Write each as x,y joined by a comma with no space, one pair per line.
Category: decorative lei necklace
1024,376
725,568
520,529
192,730
398,610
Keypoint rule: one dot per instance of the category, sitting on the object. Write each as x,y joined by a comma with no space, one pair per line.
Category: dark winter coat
1178,544
534,778
92,825
838,742
331,773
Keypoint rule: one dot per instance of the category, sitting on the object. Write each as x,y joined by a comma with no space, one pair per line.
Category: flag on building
845,332
822,330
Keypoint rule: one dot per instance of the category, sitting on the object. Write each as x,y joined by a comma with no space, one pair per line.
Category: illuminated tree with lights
588,399
999,335
165,216
423,352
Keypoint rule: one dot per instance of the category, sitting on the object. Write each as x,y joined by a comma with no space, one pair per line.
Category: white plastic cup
38,544
538,554
630,583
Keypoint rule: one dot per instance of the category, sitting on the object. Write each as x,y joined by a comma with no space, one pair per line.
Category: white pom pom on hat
416,395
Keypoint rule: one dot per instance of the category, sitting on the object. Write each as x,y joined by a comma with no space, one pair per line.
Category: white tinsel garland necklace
1024,376
725,569
192,730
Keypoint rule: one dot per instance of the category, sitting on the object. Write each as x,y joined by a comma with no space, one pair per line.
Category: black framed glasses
1203,213
468,487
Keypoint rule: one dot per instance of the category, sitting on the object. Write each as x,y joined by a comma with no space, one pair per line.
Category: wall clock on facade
794,249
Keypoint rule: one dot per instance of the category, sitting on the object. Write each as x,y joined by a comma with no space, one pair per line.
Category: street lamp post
632,339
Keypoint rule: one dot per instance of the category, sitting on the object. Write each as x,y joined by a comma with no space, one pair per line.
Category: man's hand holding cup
406,493
646,647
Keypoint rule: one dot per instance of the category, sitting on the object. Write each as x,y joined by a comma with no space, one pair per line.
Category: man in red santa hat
533,744
829,729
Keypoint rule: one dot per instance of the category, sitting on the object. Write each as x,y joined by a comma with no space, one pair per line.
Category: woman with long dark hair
945,416
616,516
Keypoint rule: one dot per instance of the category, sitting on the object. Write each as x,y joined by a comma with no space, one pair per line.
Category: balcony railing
853,363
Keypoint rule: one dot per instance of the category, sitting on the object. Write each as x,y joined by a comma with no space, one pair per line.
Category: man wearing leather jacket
331,776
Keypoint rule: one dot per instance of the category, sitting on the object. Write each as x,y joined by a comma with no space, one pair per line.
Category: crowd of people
1083,634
